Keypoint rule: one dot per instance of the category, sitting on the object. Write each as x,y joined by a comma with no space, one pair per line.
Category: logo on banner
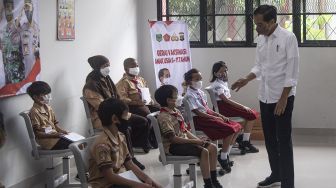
159,37
166,37
181,36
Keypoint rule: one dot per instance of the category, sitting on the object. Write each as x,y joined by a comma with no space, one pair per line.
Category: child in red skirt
214,125
231,108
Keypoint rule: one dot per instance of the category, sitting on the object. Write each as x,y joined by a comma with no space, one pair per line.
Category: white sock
224,155
246,136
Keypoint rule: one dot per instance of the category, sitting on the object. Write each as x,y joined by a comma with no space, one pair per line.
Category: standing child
214,125
177,140
231,108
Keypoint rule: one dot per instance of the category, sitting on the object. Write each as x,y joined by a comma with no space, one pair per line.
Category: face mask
134,71
196,85
166,81
179,101
122,125
46,99
105,71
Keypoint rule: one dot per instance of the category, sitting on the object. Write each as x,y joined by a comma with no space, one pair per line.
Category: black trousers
62,144
144,111
278,141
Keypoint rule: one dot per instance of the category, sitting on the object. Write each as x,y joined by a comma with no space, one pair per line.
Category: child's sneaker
224,164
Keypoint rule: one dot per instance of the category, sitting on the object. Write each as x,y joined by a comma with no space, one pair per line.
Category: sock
213,175
224,155
207,182
246,136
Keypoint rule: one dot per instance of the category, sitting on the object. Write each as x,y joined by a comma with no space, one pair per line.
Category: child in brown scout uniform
177,140
48,133
109,153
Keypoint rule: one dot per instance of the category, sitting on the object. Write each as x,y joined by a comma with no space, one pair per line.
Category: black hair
110,107
161,72
215,68
188,75
163,93
128,61
269,12
38,88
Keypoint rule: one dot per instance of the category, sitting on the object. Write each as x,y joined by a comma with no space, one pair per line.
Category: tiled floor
315,164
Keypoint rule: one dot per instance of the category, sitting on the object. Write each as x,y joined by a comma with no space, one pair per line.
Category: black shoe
136,162
208,186
248,147
269,182
221,172
230,162
239,139
216,184
146,149
224,164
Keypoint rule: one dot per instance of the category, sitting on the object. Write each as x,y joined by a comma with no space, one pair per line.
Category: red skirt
216,129
228,110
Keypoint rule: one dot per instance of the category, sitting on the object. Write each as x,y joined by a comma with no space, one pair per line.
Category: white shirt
277,64
220,87
194,98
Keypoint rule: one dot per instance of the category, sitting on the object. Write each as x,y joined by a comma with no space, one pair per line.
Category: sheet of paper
130,176
73,136
145,95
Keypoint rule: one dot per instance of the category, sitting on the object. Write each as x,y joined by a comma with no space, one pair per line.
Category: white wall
315,99
102,27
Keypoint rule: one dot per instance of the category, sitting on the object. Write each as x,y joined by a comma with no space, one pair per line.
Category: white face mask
134,71
46,99
105,71
179,101
166,81
196,85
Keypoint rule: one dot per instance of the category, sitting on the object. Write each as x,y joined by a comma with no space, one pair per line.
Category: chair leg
50,178
177,176
66,169
192,174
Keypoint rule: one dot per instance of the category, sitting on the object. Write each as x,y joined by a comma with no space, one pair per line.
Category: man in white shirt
277,68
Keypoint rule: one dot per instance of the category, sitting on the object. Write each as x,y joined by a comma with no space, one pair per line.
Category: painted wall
102,27
315,101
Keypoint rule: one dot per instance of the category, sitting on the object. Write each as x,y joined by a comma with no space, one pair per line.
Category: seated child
214,125
47,131
109,153
231,108
177,140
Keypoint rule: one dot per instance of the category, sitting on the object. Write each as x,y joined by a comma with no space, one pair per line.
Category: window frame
249,42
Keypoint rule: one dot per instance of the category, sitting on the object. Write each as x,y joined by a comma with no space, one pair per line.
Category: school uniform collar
170,110
115,139
41,108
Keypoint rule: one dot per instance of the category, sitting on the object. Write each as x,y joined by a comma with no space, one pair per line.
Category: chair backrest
81,151
212,98
158,137
88,115
31,134
188,112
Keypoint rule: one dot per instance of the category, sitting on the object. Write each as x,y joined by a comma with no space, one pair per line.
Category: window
229,23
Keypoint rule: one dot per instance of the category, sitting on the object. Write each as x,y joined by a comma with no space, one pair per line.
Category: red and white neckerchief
136,82
203,102
179,118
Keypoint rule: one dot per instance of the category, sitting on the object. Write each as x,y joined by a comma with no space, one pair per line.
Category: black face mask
122,125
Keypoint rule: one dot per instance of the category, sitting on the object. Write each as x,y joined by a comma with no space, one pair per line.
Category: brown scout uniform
129,89
170,126
42,116
94,99
108,151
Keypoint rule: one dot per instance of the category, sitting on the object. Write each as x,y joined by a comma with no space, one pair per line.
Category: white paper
49,130
73,136
130,176
145,95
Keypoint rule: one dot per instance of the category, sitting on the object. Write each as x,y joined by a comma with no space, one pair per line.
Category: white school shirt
277,64
194,100
220,87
